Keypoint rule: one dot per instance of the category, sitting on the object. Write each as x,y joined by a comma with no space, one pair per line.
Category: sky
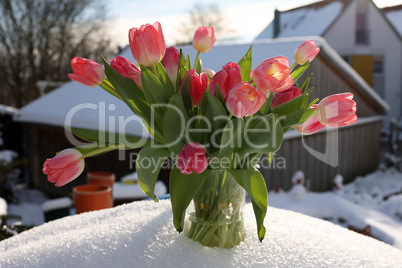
249,19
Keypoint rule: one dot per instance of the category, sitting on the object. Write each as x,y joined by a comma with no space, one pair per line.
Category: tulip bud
227,78
198,84
204,39
193,157
171,63
285,96
245,100
273,75
64,167
127,69
310,126
306,52
86,72
337,110
147,44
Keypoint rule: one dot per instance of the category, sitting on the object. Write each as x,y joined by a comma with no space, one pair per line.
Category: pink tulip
86,72
306,52
193,157
285,96
337,110
147,44
273,75
171,63
310,126
198,85
127,69
64,167
227,78
204,39
245,100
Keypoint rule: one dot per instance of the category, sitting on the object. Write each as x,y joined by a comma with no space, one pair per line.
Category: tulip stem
153,69
100,150
196,60
294,66
107,86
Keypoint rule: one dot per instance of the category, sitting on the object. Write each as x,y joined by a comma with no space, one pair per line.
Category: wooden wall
358,154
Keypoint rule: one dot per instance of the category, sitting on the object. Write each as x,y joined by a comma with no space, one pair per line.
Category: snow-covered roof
93,108
7,110
302,21
394,15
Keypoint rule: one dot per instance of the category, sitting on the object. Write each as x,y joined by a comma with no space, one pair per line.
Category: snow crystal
141,234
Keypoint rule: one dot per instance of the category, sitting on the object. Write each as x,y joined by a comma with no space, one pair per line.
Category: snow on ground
141,234
374,200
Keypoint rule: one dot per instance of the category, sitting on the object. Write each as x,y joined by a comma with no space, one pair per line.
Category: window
362,32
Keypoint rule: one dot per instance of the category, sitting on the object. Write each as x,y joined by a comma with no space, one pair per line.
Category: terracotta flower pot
91,197
99,177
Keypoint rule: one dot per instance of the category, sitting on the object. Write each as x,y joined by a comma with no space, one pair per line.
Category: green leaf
266,108
254,184
182,189
231,137
217,116
165,80
292,105
148,164
245,65
174,124
153,89
305,84
296,117
262,134
299,71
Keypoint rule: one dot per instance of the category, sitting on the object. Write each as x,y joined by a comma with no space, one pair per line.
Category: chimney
277,23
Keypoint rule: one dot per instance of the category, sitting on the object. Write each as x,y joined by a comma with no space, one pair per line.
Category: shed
94,108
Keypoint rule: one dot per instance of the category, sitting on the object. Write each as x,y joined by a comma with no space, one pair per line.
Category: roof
394,15
302,21
94,108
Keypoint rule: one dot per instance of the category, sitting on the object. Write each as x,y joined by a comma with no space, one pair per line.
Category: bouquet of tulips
211,124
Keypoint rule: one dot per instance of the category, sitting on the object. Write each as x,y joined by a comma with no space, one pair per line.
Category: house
368,38
95,109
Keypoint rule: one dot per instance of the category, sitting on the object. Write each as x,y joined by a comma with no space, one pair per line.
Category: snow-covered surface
303,21
374,200
141,234
8,110
7,156
395,17
133,191
62,202
3,206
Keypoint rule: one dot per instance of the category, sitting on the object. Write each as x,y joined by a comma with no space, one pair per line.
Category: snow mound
141,234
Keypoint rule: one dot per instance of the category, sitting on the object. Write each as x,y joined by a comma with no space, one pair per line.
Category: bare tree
38,38
203,15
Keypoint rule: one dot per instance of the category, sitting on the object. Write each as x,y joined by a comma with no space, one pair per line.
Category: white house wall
383,42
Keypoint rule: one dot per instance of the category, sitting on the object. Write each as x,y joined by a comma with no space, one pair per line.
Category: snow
395,17
374,200
7,156
62,202
142,234
3,206
133,191
303,21
8,110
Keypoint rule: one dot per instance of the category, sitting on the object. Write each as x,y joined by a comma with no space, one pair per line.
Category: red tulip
310,126
273,75
204,39
227,78
127,69
285,96
245,100
64,167
337,110
171,63
198,85
193,157
86,72
306,52
147,44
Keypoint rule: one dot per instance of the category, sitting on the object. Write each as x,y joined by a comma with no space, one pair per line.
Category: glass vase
215,216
